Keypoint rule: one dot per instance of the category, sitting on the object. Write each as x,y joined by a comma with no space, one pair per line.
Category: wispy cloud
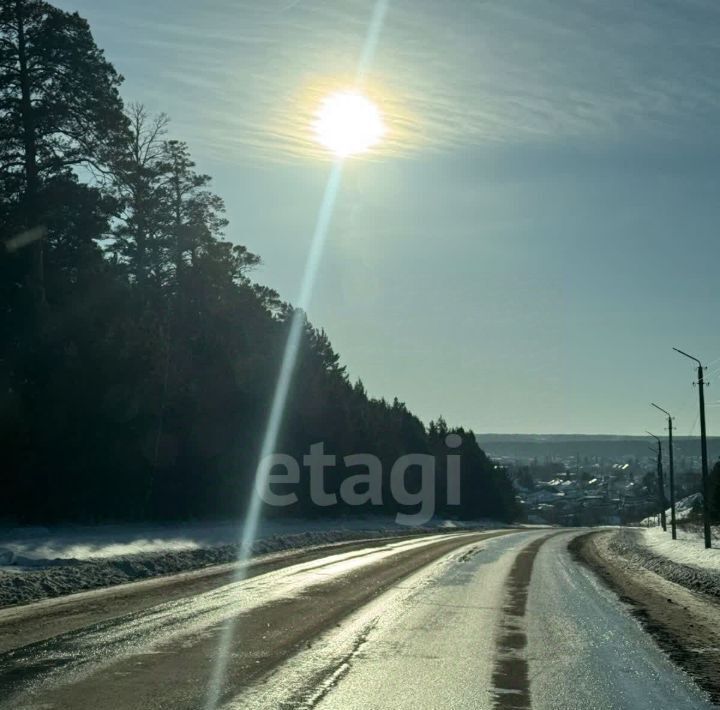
447,75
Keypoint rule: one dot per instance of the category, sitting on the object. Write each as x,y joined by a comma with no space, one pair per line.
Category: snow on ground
683,509
684,561
688,549
37,563
33,546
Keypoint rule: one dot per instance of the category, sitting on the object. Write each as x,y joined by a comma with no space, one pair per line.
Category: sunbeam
252,518
277,410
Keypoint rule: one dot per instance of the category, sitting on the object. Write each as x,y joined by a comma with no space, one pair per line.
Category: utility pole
661,484
703,450
673,526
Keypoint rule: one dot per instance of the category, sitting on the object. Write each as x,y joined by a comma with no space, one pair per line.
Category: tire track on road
175,675
511,679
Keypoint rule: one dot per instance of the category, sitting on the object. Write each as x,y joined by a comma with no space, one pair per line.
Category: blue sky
541,225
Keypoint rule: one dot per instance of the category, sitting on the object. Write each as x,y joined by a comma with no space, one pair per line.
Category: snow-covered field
36,563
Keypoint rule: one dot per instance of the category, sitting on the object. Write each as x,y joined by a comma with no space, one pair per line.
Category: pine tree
141,227
197,214
59,105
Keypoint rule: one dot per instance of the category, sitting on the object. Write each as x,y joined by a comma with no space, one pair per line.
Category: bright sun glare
347,123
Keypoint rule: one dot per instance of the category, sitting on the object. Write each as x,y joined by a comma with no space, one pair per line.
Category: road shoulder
683,622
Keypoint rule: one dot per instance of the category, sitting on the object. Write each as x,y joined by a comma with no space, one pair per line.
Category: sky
536,232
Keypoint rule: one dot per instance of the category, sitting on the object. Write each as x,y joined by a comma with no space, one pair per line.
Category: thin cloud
446,74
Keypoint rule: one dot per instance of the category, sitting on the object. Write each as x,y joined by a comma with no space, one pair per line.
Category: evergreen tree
138,357
143,220
59,105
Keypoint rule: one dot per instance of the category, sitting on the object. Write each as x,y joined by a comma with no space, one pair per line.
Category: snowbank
33,546
37,563
683,561
688,549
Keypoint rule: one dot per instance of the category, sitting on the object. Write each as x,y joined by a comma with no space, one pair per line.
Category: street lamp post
703,449
661,483
672,470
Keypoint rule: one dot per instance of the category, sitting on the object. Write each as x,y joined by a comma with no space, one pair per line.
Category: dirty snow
688,549
683,561
37,563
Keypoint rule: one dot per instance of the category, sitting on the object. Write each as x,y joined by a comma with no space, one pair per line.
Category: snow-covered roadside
683,561
683,510
688,549
38,563
683,622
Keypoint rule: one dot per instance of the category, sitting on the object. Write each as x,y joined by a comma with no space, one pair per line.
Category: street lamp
703,450
661,484
672,470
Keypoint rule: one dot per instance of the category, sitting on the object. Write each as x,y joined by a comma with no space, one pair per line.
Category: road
466,620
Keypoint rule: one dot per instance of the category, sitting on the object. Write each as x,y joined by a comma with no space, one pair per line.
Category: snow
683,508
688,549
37,563
32,546
684,561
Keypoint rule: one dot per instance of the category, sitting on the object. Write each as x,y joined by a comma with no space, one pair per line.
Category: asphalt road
467,620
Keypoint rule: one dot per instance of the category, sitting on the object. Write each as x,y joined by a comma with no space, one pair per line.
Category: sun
348,123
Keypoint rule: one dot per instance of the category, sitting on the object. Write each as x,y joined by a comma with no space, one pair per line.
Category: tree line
137,355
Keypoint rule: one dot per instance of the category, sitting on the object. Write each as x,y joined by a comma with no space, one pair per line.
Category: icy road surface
462,620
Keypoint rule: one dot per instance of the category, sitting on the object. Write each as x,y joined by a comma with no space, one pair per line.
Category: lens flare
249,531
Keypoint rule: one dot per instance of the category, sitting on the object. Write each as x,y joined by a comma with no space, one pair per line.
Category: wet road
453,621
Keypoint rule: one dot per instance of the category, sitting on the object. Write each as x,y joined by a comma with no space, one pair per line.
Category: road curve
162,656
512,622
467,620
